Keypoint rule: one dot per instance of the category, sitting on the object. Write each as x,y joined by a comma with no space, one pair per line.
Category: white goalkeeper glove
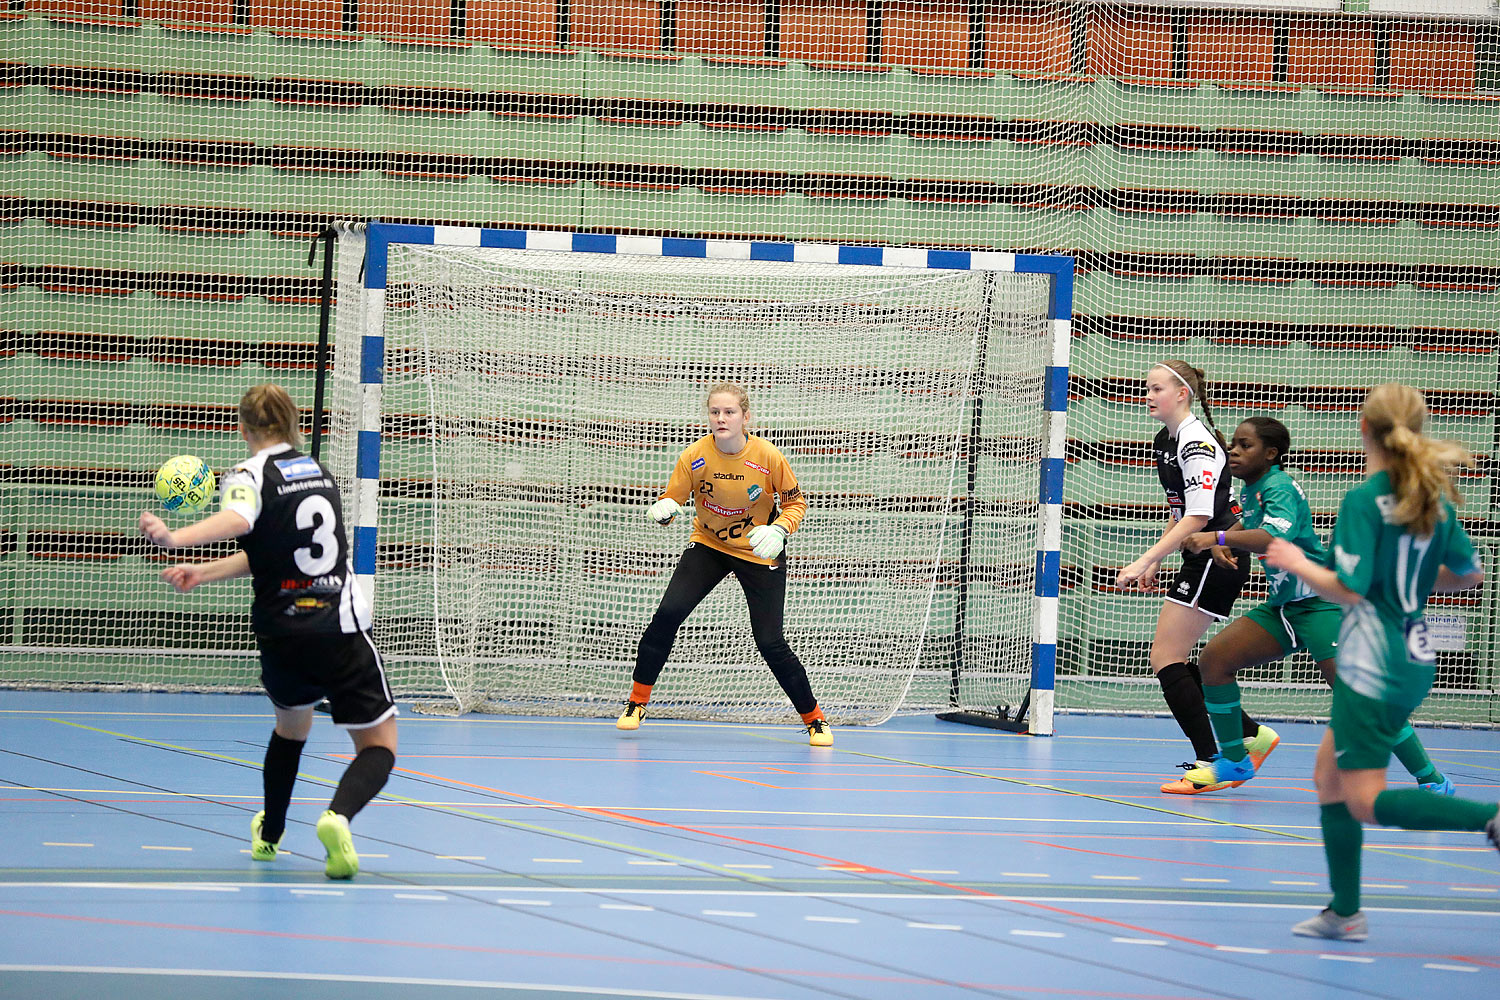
766,540
664,510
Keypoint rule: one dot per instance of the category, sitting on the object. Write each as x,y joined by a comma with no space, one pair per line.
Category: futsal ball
185,483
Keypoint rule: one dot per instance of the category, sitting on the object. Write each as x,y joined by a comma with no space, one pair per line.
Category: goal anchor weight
1001,719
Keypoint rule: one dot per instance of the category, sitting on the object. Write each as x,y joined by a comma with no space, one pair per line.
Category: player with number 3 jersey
310,618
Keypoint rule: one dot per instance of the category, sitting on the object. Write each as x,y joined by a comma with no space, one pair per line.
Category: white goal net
534,403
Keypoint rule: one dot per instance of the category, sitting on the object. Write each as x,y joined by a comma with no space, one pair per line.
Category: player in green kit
1397,540
1272,505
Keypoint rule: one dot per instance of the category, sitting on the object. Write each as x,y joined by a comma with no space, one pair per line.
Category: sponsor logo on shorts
758,468
698,464
1183,588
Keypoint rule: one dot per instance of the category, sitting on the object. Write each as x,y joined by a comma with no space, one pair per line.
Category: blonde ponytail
1419,466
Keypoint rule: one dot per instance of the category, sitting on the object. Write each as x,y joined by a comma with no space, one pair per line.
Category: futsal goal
505,405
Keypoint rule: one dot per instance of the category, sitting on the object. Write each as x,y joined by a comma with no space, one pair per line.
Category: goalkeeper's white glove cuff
664,510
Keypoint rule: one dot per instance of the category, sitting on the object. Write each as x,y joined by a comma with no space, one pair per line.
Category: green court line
454,810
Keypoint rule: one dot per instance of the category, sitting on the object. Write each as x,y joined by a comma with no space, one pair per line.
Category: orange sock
640,692
808,717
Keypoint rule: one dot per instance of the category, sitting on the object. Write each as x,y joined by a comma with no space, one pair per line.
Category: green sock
1342,839
1223,704
1415,809
1413,756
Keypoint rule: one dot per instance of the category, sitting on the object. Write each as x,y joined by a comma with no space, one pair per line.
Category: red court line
841,862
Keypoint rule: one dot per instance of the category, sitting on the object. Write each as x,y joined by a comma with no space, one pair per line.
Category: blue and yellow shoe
1221,771
1444,787
333,831
1184,786
261,850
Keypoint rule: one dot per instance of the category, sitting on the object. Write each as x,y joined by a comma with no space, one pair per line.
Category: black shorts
1203,584
345,668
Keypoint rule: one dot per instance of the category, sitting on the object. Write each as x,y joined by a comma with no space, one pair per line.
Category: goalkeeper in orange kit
747,503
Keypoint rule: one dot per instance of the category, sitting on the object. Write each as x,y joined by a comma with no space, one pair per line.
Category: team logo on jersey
302,467
697,464
754,492
758,468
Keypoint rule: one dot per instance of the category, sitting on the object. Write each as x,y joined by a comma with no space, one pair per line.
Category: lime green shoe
261,850
333,831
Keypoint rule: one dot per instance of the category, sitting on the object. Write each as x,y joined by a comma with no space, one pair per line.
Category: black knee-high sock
1185,698
280,774
1248,726
362,781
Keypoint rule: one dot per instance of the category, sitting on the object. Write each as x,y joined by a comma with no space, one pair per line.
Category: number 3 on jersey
317,513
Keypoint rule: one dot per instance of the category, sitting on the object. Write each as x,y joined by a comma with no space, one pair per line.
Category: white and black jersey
300,563
1193,471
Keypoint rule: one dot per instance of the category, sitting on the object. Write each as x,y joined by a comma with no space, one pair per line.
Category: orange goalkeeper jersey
733,493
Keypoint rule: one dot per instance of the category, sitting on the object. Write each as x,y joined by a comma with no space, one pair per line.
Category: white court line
933,871
115,970
1026,874
1117,878
418,895
1038,934
163,847
963,899
1153,942
832,920
1223,880
558,861
451,857
1450,968
59,843
1362,960
317,892
727,913
1280,881
524,902
1382,885
1471,888
936,927
652,864
625,906
1242,951
747,866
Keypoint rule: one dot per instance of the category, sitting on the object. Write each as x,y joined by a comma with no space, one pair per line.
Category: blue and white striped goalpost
1059,270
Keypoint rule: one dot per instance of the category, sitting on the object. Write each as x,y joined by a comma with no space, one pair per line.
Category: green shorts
1311,624
1364,729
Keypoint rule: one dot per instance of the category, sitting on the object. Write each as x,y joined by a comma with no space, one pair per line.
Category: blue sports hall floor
558,858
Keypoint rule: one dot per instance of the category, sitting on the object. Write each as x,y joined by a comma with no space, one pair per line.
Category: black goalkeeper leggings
698,571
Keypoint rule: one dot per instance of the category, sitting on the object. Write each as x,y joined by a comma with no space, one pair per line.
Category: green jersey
1275,504
1383,648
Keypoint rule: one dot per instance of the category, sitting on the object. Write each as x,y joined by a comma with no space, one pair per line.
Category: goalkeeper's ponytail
268,414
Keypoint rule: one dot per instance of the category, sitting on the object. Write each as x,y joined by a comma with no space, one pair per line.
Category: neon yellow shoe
632,717
333,831
261,850
1259,748
818,733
